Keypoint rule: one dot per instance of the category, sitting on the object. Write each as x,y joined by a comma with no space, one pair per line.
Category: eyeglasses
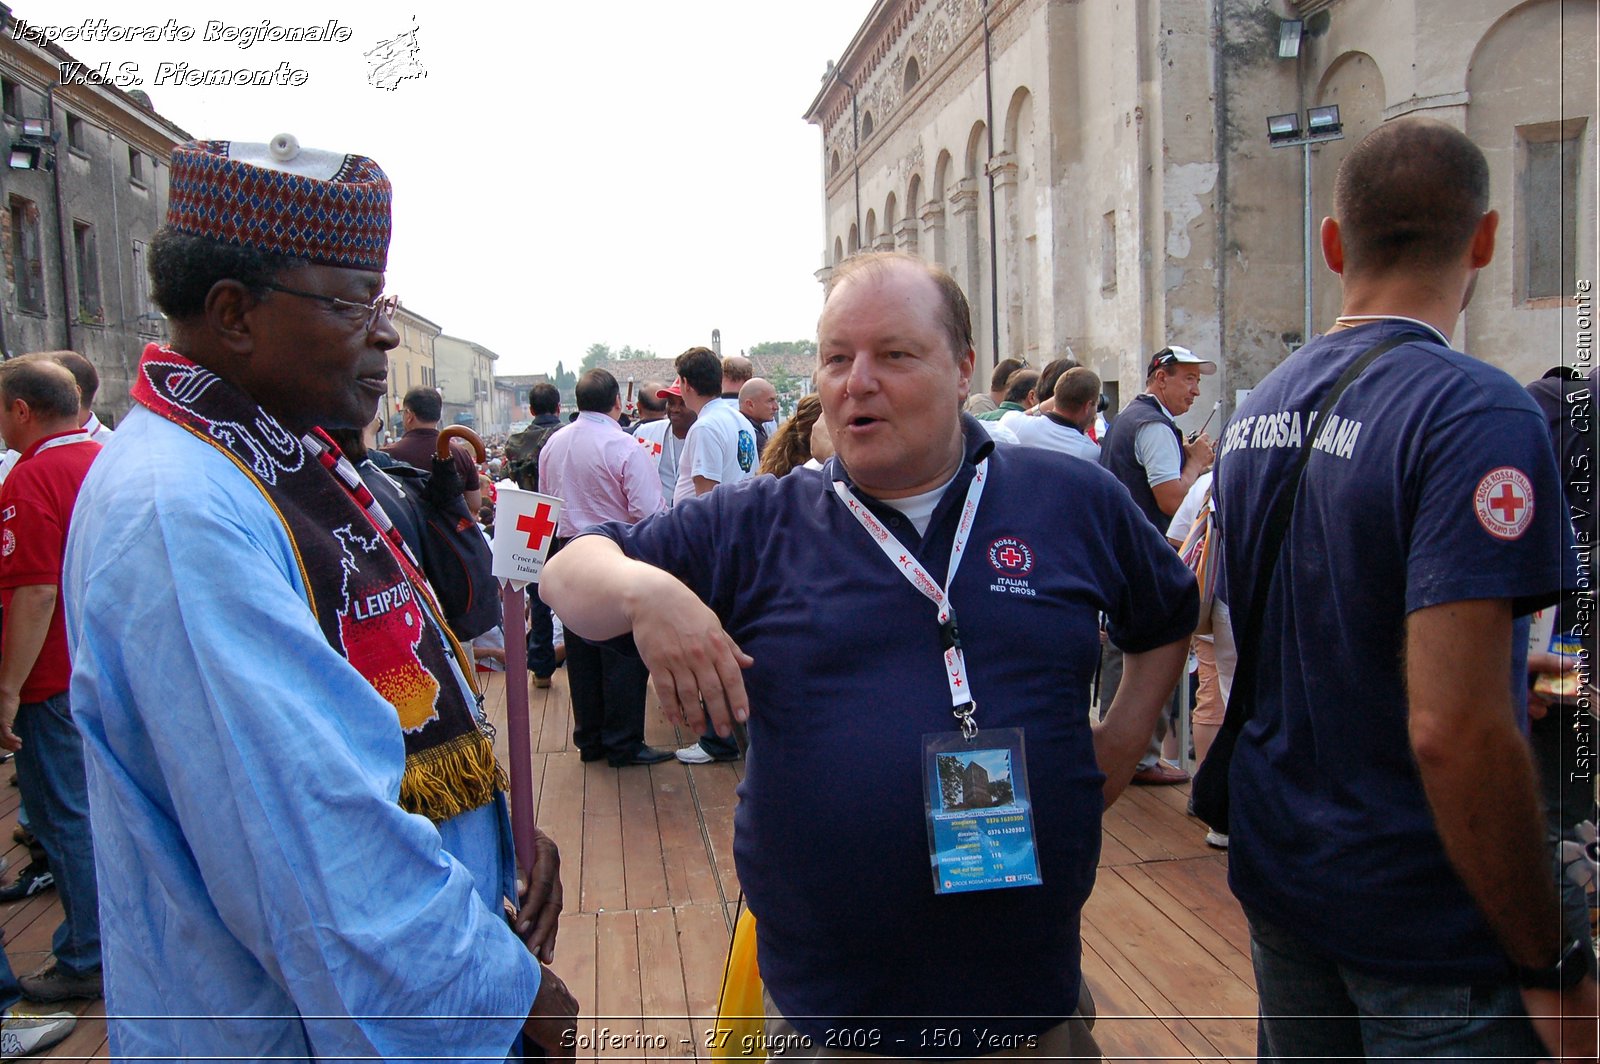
384,305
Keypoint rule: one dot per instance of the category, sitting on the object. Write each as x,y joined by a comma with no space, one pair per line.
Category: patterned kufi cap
321,206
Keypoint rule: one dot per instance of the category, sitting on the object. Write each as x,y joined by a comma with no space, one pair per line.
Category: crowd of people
945,631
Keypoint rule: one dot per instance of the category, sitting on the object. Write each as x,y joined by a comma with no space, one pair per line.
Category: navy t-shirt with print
1432,482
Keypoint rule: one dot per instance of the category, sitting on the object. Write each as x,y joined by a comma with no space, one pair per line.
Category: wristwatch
1564,974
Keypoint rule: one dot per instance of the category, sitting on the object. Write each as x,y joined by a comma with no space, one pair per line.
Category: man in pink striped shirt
600,473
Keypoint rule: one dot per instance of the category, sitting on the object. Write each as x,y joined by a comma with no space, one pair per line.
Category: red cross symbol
902,559
537,526
1507,503
1010,556
957,681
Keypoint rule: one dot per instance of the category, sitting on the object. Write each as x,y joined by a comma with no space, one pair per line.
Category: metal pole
1305,166
519,745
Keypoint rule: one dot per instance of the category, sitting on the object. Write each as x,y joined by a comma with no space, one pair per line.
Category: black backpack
522,454
432,516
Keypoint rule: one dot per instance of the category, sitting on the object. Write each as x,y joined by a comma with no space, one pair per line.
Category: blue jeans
10,989
541,636
1313,1009
51,776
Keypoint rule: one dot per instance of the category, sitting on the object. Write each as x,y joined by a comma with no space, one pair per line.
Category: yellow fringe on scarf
450,779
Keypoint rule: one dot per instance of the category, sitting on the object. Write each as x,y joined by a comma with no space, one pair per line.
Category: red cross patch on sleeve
1503,502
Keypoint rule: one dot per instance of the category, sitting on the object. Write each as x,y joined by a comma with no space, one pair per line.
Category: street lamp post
1286,131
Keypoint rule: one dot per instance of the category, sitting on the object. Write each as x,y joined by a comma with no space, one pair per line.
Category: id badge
980,817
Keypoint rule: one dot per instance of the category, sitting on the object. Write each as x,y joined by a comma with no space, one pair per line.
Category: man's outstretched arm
600,593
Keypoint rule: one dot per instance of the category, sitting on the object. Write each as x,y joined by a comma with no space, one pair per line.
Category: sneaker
55,983
695,754
1217,840
22,1034
34,878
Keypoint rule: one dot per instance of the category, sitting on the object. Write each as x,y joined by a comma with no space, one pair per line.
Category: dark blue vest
1118,455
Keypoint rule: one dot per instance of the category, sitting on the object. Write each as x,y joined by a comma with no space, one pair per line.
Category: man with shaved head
758,401
1385,835
892,626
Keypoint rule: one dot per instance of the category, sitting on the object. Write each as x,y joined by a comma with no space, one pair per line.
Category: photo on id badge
980,821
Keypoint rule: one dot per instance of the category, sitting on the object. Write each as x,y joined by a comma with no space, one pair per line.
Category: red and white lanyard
962,703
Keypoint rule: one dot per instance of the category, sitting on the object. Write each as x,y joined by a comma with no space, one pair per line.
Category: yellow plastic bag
740,1013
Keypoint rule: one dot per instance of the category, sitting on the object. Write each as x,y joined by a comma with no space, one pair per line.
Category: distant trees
784,347
599,353
564,379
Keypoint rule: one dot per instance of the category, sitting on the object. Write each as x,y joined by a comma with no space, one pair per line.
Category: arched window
833,165
913,73
866,125
838,252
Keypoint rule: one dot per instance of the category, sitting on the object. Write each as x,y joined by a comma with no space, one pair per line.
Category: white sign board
524,526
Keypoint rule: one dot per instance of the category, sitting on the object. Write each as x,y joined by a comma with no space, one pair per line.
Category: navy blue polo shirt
830,834
1433,482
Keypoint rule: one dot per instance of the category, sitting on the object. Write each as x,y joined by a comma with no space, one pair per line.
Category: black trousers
608,690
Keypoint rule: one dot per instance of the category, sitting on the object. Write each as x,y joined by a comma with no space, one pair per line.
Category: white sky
632,172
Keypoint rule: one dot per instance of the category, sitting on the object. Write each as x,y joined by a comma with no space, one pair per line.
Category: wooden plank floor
650,893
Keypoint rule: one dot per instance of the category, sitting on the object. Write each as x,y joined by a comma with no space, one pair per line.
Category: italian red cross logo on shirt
1503,502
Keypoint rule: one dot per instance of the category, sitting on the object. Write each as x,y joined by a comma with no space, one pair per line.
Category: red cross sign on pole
537,526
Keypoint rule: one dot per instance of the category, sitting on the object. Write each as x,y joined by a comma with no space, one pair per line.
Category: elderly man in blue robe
301,827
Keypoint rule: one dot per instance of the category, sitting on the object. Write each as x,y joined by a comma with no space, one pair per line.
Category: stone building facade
77,220
1097,175
411,365
466,380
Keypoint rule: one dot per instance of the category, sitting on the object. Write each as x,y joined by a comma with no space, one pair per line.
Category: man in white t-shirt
1064,429
721,445
720,449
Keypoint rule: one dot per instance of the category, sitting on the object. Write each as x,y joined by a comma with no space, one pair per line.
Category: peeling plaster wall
1259,257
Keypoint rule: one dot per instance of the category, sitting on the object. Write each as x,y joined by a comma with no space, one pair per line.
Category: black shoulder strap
1241,700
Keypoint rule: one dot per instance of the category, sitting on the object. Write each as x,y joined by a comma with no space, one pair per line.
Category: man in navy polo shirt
1386,840
812,604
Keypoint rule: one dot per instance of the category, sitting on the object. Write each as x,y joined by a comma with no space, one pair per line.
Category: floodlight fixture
1290,32
24,157
1322,123
1283,128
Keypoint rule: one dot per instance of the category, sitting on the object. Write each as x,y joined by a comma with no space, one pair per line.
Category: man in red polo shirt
39,419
